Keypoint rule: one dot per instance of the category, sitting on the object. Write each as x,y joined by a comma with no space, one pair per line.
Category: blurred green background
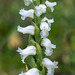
62,34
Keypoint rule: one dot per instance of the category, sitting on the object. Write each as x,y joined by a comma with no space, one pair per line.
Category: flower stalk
35,55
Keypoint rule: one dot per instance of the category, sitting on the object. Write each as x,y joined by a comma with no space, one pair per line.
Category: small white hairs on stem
50,4
49,21
40,9
26,30
47,44
49,65
26,13
30,50
45,28
33,71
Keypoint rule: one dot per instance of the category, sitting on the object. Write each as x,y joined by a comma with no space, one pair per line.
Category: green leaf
37,2
37,33
37,20
31,62
40,73
38,51
31,38
43,70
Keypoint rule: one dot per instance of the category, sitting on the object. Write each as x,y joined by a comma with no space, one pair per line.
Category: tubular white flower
49,65
29,29
30,50
50,4
33,71
48,20
40,9
27,2
47,43
26,13
45,28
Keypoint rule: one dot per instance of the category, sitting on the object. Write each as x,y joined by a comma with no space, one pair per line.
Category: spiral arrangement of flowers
35,55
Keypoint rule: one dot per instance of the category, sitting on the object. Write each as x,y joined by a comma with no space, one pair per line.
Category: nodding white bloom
33,71
26,13
49,65
30,50
27,2
47,43
50,4
48,20
29,29
45,28
40,9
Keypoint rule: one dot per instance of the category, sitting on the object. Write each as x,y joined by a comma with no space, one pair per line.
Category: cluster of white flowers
45,27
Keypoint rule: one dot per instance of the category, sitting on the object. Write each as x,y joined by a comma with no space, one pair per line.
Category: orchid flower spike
33,71
26,13
47,44
40,9
45,28
48,20
50,4
49,65
30,50
29,29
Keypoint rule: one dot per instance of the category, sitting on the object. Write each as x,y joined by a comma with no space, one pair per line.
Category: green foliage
31,62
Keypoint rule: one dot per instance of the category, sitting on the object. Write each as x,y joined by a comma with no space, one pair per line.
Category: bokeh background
62,34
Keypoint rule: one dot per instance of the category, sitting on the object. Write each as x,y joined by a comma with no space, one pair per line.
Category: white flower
49,65
40,9
27,2
48,20
50,4
29,29
33,71
47,43
30,50
26,13
45,28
